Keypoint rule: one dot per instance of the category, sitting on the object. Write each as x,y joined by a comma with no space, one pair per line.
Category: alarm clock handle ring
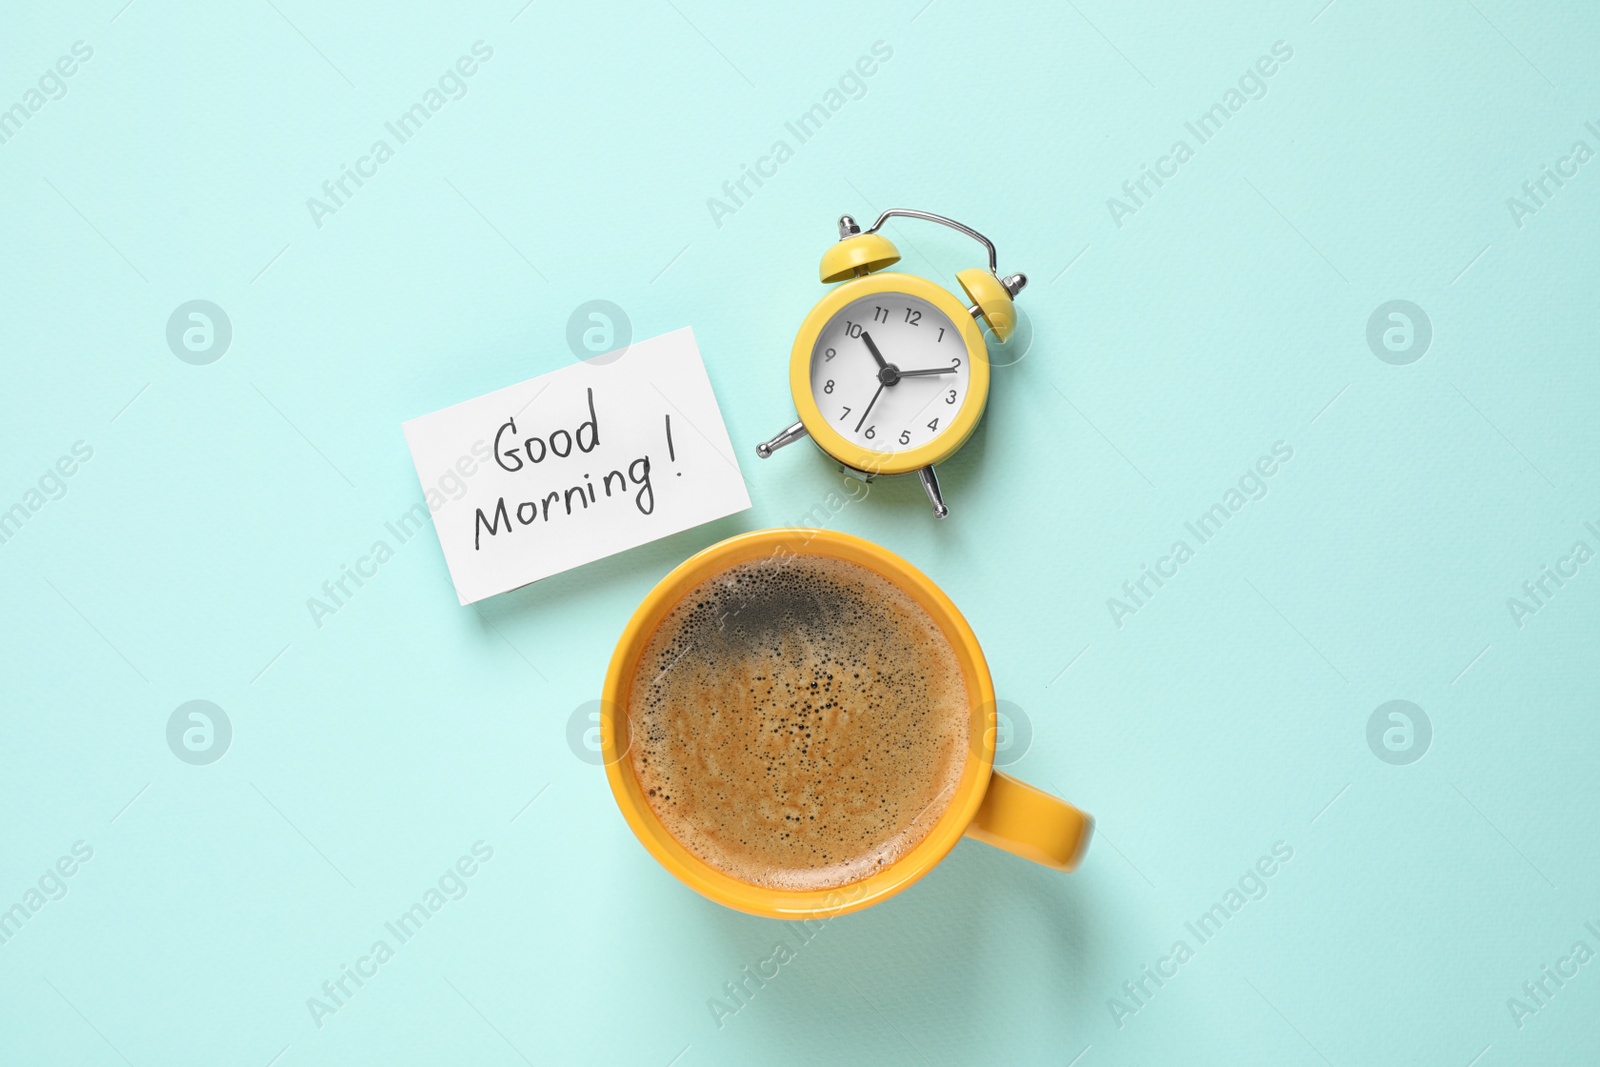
928,216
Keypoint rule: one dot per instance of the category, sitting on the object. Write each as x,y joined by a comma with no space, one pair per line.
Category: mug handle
1031,823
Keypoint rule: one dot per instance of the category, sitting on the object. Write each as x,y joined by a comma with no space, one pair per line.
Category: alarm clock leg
930,483
787,437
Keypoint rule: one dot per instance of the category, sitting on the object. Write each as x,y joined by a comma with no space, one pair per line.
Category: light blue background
1167,354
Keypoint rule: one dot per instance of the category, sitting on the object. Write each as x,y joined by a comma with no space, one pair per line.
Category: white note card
576,465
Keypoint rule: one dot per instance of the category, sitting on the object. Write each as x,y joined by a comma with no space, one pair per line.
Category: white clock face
889,372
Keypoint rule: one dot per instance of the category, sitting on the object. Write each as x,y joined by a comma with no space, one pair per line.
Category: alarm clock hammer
867,416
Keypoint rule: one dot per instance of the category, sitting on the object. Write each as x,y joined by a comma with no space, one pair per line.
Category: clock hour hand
867,337
924,373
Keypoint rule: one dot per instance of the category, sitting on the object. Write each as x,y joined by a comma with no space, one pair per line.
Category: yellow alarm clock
889,371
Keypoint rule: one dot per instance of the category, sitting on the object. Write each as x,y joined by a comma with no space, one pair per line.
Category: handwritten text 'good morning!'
539,454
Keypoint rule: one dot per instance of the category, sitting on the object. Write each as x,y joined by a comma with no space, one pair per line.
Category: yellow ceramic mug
988,805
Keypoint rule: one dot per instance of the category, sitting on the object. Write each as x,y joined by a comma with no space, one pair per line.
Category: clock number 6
872,431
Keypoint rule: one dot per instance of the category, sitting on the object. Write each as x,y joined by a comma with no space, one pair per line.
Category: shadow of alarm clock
889,371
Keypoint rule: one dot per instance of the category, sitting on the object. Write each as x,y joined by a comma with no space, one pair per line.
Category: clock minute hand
867,337
871,402
925,373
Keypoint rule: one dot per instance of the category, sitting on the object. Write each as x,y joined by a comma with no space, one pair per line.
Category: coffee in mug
798,723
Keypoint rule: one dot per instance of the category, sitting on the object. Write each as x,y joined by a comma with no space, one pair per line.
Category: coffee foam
798,724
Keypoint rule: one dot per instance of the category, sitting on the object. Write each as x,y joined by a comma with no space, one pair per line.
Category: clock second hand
923,373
